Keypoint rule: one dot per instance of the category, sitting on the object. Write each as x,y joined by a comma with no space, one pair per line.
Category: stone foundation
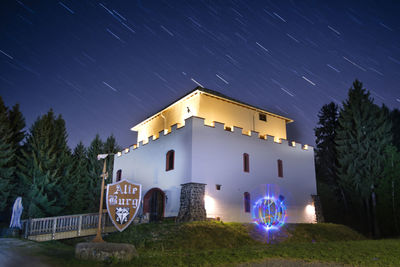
110,252
318,209
192,203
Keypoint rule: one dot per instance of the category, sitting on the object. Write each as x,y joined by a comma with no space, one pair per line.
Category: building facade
209,155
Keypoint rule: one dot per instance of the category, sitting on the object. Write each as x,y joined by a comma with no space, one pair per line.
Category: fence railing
50,228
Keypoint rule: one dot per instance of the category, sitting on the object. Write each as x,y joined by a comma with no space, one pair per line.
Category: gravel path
289,263
17,253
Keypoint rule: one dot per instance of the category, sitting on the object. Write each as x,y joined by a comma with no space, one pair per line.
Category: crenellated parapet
218,126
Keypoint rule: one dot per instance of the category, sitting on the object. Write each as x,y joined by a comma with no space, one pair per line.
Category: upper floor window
170,157
246,166
262,117
280,168
246,202
119,175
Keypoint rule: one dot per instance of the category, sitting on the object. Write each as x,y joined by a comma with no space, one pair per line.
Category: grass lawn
216,243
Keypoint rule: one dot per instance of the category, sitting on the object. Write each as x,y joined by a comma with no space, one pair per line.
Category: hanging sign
123,201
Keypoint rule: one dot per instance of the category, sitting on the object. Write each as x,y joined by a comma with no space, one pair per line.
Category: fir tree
80,201
395,118
388,193
110,147
43,166
326,163
362,136
95,168
6,158
64,165
16,125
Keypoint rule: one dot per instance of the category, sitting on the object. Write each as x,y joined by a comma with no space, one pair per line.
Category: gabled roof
218,95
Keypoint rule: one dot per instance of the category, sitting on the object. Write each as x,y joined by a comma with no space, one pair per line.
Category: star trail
106,65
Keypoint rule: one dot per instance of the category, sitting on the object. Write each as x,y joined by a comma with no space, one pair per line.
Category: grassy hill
214,235
227,244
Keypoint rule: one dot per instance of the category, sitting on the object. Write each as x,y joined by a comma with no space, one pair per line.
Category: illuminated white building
236,152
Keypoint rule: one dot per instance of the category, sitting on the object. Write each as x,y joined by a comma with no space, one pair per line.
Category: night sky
107,65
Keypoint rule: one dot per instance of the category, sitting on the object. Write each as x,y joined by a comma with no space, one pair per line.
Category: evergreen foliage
95,168
110,147
44,167
6,158
326,164
362,136
395,118
16,126
388,194
80,201
325,152
40,167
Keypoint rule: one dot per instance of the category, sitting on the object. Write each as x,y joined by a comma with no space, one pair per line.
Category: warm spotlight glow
126,150
310,210
209,204
310,214
119,154
293,143
305,147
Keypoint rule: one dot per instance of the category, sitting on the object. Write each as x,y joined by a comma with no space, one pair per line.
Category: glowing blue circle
269,212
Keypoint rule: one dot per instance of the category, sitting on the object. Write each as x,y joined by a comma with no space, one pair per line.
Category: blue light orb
269,212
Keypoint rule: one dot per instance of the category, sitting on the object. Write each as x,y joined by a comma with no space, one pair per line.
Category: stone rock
318,209
112,252
192,203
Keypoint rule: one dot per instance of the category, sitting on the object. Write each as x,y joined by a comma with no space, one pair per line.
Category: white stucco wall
217,157
211,155
146,164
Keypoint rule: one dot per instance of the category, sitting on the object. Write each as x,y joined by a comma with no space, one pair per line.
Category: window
218,186
246,202
262,117
170,160
119,174
280,168
246,166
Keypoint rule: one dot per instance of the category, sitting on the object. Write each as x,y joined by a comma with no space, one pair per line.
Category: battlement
230,129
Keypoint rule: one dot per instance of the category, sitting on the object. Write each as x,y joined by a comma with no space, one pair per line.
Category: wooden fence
69,226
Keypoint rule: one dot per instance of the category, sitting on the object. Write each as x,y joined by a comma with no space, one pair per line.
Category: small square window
218,186
262,117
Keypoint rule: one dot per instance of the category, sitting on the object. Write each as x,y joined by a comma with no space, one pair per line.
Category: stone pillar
318,209
192,203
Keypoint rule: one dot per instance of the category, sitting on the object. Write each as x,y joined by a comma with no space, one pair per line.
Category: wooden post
79,225
104,222
53,236
27,228
98,238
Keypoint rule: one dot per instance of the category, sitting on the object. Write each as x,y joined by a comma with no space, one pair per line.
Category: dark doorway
154,202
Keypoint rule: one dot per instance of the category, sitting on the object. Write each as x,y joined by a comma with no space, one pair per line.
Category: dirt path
18,253
289,263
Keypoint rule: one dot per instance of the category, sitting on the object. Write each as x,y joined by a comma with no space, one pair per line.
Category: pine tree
43,166
362,136
80,201
64,165
95,168
388,193
110,147
17,125
6,158
395,118
328,184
